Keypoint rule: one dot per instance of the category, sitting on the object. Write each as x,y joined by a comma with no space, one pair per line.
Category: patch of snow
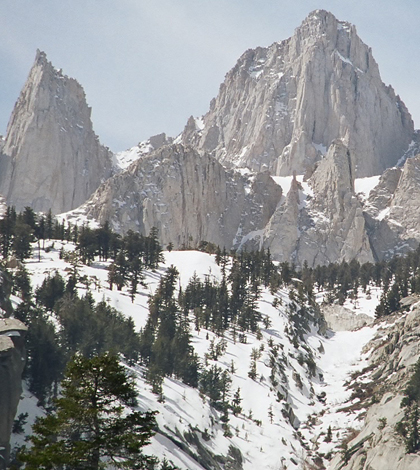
364,186
123,160
253,235
190,262
284,182
365,303
383,213
307,190
348,61
255,73
344,59
178,139
199,122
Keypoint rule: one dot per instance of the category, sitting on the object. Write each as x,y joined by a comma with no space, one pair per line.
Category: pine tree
236,402
91,424
22,284
45,357
104,236
23,237
87,244
328,437
409,426
270,414
51,290
49,225
118,271
135,269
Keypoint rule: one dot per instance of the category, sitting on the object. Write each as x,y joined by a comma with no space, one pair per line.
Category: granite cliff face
281,107
12,361
323,222
189,197
51,158
391,211
393,355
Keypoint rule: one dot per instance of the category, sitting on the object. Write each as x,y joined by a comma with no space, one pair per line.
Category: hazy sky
147,65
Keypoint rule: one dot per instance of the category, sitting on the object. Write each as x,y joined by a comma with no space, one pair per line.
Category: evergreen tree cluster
87,423
61,323
229,305
401,278
104,243
409,426
19,231
398,278
232,302
165,340
134,253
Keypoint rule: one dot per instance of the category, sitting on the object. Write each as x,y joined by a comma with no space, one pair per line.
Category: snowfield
263,432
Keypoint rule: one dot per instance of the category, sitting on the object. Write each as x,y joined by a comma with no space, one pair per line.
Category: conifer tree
91,424
236,402
22,239
409,426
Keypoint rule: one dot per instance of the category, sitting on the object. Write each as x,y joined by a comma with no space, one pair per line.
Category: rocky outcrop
281,107
12,360
189,197
340,318
326,225
393,354
391,211
313,104
51,158
281,234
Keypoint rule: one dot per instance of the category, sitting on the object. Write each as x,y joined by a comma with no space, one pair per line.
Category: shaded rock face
327,226
12,362
392,210
393,355
189,197
281,107
51,158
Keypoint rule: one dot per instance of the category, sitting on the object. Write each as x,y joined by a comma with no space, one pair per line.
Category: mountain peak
321,26
323,20
51,158
40,57
280,105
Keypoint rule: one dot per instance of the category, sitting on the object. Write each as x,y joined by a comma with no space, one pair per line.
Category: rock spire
51,158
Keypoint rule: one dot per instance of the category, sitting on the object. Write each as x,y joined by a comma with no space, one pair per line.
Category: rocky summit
326,224
281,107
51,158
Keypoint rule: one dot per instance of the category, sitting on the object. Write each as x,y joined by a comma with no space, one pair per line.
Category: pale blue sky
147,65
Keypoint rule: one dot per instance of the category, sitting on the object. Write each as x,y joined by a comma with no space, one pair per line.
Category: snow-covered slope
283,421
